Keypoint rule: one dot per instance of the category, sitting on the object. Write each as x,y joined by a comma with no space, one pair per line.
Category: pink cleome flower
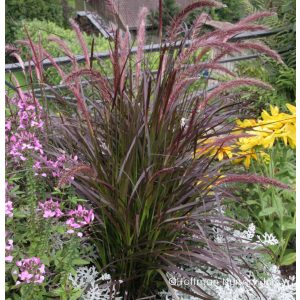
31,270
51,209
22,135
9,208
8,202
79,218
8,250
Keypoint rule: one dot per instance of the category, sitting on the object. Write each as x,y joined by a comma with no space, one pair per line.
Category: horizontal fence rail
84,82
148,48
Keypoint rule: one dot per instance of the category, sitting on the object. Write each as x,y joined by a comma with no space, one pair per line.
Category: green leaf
61,229
288,259
45,260
76,295
288,226
250,202
20,214
15,273
80,262
267,211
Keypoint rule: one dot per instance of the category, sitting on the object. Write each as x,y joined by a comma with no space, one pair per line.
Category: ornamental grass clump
136,135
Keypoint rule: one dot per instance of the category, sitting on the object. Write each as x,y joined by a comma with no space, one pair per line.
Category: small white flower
268,239
183,122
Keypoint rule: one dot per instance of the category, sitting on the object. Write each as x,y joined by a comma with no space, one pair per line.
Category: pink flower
51,209
9,208
79,217
31,270
8,250
9,258
20,134
25,276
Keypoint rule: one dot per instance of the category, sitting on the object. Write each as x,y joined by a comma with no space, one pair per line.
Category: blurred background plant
272,210
16,11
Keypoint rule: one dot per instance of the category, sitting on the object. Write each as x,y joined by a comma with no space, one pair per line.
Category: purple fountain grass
261,48
124,53
63,46
252,178
140,42
69,175
81,42
19,59
137,135
96,77
198,23
254,17
211,44
238,82
36,56
174,27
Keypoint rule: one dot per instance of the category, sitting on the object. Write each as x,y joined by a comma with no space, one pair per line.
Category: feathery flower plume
96,76
124,52
200,43
180,17
198,23
81,41
252,178
256,16
140,42
11,48
69,175
55,65
36,57
261,48
62,44
19,59
236,83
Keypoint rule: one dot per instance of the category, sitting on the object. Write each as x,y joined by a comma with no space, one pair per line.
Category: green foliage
234,10
170,10
42,30
286,20
273,210
281,77
35,236
17,10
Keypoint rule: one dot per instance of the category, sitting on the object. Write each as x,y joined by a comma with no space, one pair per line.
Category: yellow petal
291,108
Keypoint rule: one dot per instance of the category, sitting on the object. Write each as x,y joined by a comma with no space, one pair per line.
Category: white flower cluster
87,279
246,236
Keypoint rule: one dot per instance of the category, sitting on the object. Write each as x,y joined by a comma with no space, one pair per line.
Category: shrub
281,77
47,33
17,10
38,29
155,202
